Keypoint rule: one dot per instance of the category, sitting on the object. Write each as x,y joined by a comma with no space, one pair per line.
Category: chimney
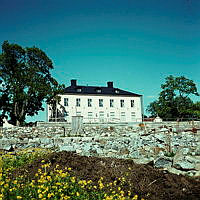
110,84
73,82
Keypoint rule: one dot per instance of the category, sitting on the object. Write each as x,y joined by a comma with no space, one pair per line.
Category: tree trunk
18,115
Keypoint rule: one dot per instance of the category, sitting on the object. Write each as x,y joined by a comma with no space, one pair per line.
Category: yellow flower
73,179
77,194
57,166
19,197
50,195
135,197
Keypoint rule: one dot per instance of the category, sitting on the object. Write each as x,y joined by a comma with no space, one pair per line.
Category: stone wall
172,146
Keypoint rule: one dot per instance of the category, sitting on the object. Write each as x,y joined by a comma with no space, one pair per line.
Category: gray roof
109,90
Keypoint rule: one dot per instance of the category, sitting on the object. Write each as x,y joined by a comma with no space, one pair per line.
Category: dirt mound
148,182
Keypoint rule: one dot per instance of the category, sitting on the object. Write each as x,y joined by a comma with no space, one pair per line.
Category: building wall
95,113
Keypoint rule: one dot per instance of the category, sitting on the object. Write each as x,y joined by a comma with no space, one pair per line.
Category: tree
25,81
196,110
174,101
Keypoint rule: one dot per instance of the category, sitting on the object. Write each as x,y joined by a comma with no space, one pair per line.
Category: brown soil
147,182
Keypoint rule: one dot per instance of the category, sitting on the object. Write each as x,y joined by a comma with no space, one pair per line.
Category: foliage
25,81
173,101
22,157
57,184
196,110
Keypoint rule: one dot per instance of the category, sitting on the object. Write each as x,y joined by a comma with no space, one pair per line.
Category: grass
53,184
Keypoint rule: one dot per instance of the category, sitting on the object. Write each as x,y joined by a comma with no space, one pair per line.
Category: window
123,116
117,91
133,116
78,89
132,103
78,102
111,102
112,114
89,102
98,90
65,101
90,115
122,103
101,114
78,113
100,102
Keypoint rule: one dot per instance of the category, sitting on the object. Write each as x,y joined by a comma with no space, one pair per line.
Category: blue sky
134,43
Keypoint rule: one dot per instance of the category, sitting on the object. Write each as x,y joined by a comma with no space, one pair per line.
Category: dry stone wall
170,146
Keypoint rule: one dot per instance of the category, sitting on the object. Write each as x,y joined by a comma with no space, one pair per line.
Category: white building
97,104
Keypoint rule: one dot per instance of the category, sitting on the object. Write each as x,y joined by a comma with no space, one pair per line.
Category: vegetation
54,184
174,101
25,81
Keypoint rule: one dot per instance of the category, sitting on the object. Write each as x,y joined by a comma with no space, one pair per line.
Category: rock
163,162
197,173
181,152
175,171
143,160
79,151
124,151
134,155
197,167
160,138
193,159
99,151
164,130
184,165
67,148
7,147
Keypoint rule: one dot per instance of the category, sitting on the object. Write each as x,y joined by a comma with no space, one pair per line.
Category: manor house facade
97,104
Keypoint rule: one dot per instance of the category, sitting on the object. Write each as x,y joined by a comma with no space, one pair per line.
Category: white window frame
90,115
111,103
132,103
112,114
78,102
101,114
100,102
122,103
89,102
66,102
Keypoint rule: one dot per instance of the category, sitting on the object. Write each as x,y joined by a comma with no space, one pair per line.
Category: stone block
163,162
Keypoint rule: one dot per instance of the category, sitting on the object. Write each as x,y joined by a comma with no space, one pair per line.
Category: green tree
196,110
174,100
25,81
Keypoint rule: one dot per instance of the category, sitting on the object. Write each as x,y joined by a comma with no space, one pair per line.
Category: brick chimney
110,84
73,82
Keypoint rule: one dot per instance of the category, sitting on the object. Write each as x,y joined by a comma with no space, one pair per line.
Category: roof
109,90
